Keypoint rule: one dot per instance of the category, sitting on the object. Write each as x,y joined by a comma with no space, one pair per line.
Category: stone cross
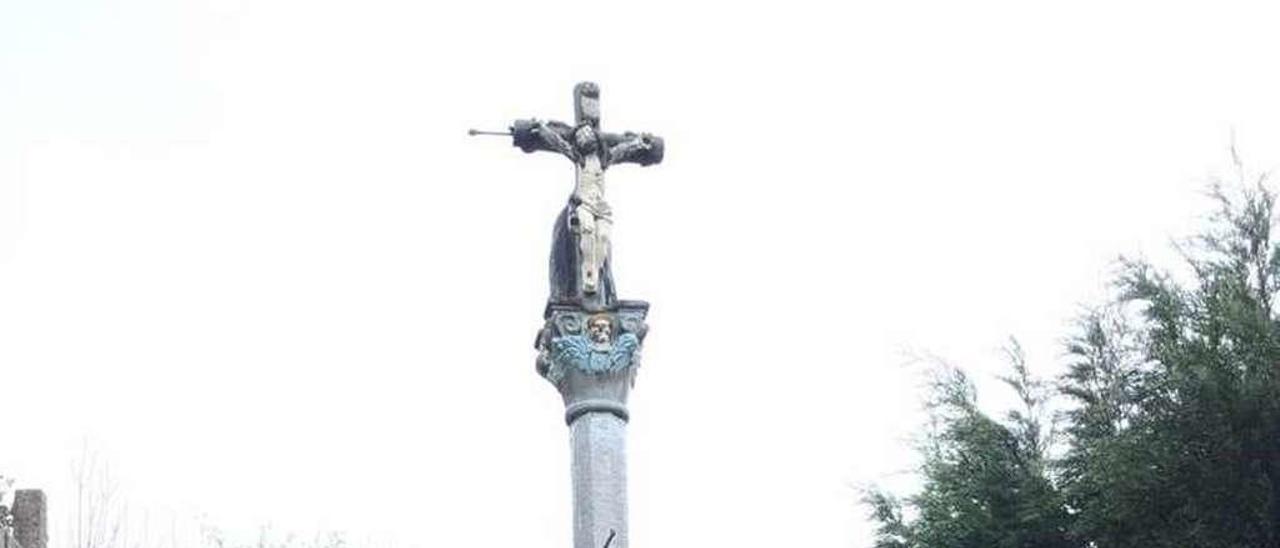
589,345
581,252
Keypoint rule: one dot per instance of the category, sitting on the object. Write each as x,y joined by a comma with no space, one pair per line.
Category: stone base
553,307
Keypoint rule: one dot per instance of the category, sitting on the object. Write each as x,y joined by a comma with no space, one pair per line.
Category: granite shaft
599,470
591,356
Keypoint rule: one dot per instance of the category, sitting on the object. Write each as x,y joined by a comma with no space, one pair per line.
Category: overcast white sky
249,252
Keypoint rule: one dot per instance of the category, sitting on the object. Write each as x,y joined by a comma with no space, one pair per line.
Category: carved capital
591,355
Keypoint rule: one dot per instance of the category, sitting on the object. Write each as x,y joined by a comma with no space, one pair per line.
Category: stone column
591,357
30,518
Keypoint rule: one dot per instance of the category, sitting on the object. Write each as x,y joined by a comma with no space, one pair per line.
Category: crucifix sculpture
581,249
589,345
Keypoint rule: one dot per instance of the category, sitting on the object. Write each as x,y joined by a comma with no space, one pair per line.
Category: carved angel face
600,329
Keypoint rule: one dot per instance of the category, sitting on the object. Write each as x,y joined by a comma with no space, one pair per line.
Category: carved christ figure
580,257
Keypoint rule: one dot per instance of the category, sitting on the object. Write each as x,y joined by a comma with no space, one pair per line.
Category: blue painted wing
573,351
624,349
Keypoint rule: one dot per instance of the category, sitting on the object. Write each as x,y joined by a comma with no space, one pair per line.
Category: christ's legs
604,233
587,249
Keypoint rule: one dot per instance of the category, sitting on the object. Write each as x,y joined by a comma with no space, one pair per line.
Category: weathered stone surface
30,518
7,540
599,480
591,356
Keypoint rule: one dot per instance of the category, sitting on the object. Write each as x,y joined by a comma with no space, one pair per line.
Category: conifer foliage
1169,414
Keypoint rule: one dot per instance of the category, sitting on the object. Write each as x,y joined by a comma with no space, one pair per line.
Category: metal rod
480,132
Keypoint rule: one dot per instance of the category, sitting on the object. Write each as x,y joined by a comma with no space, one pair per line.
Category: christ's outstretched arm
643,148
531,135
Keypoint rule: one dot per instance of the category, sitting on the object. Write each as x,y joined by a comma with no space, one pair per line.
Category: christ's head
585,139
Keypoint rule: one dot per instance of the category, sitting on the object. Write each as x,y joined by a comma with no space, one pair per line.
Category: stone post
30,518
591,357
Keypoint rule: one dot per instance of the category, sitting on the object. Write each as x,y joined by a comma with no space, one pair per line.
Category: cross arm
642,148
532,135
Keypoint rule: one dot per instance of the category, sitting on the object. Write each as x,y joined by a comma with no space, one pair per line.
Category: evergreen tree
986,480
1172,432
1175,436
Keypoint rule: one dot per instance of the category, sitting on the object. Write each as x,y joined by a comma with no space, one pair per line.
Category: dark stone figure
580,250
30,518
